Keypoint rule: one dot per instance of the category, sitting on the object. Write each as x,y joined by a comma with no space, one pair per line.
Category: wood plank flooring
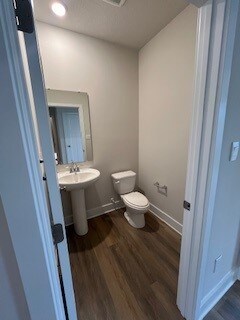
122,273
228,308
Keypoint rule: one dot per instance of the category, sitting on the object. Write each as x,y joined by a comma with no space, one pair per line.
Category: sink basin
76,182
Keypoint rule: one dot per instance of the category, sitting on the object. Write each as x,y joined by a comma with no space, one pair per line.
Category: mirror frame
63,98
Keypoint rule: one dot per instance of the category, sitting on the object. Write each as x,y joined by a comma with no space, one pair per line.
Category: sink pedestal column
79,211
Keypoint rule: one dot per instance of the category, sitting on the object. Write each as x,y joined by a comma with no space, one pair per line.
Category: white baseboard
68,220
95,212
212,298
171,222
92,213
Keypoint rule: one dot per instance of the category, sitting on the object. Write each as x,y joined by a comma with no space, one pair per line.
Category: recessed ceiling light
59,9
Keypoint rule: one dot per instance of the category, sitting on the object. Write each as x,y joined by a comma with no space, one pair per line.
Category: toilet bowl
136,203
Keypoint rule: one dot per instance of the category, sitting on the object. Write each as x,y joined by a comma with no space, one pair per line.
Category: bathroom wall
13,304
225,231
166,76
109,74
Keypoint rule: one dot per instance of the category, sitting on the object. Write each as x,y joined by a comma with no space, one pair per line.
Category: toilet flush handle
117,182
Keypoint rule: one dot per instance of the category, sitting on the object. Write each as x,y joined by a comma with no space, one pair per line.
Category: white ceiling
132,25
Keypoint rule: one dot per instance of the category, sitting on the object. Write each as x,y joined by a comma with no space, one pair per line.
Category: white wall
109,74
166,75
225,233
13,305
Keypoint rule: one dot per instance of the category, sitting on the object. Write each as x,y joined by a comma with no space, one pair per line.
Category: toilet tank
124,182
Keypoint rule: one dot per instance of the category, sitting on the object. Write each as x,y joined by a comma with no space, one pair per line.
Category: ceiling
132,25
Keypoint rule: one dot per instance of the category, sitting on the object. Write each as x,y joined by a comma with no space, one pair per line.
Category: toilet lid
136,199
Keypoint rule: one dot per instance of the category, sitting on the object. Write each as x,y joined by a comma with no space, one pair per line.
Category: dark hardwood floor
122,273
228,308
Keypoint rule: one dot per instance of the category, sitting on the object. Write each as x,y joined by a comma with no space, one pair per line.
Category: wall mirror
70,125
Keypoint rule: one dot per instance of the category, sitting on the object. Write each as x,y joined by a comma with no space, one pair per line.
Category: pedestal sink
76,182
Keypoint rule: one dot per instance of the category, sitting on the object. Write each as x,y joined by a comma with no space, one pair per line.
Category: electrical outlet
216,263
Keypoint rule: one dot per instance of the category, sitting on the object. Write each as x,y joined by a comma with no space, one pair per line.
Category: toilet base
135,220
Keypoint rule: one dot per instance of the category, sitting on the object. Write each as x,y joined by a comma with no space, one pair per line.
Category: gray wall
225,226
109,74
13,304
166,77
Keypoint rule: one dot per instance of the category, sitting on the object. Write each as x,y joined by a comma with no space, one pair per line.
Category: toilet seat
135,200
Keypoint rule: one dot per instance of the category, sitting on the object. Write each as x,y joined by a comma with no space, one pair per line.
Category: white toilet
136,203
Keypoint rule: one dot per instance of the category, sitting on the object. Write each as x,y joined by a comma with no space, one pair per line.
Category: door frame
215,44
22,191
54,197
64,303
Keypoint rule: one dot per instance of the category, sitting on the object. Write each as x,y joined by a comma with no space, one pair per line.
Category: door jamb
202,49
40,101
197,223
38,217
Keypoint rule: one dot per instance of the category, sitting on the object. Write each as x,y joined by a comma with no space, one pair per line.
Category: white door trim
44,130
224,43
197,228
202,49
27,219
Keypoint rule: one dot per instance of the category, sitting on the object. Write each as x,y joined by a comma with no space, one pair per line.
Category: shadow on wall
92,197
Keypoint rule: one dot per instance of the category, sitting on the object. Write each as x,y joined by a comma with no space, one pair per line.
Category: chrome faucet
74,168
